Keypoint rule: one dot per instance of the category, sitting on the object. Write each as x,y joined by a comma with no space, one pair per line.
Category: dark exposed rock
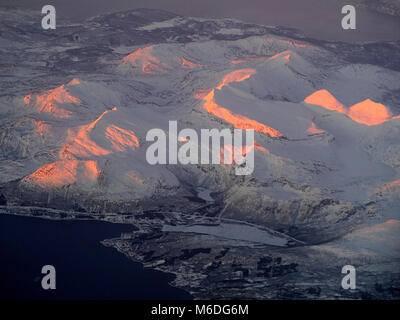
3,200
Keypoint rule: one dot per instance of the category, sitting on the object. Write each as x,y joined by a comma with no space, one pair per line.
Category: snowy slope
74,129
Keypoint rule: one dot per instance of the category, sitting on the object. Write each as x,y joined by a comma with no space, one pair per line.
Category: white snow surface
348,161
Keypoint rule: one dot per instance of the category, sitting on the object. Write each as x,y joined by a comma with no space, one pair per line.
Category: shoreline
102,242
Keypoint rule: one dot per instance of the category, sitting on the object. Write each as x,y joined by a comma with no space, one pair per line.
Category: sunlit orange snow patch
369,112
236,76
381,227
237,61
90,169
290,42
202,93
314,130
187,64
392,221
395,183
54,174
73,82
366,112
285,54
80,145
296,44
237,120
391,186
261,148
47,102
90,126
42,127
229,152
143,58
121,139
28,98
133,175
62,173
326,100
151,68
182,139
58,94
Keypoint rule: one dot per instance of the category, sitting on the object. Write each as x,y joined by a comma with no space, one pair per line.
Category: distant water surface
320,19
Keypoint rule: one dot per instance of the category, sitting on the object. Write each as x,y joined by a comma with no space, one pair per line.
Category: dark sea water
85,269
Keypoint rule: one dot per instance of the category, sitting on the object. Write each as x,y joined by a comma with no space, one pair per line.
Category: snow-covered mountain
77,102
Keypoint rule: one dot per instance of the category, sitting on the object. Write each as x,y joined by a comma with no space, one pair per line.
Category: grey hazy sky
316,18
